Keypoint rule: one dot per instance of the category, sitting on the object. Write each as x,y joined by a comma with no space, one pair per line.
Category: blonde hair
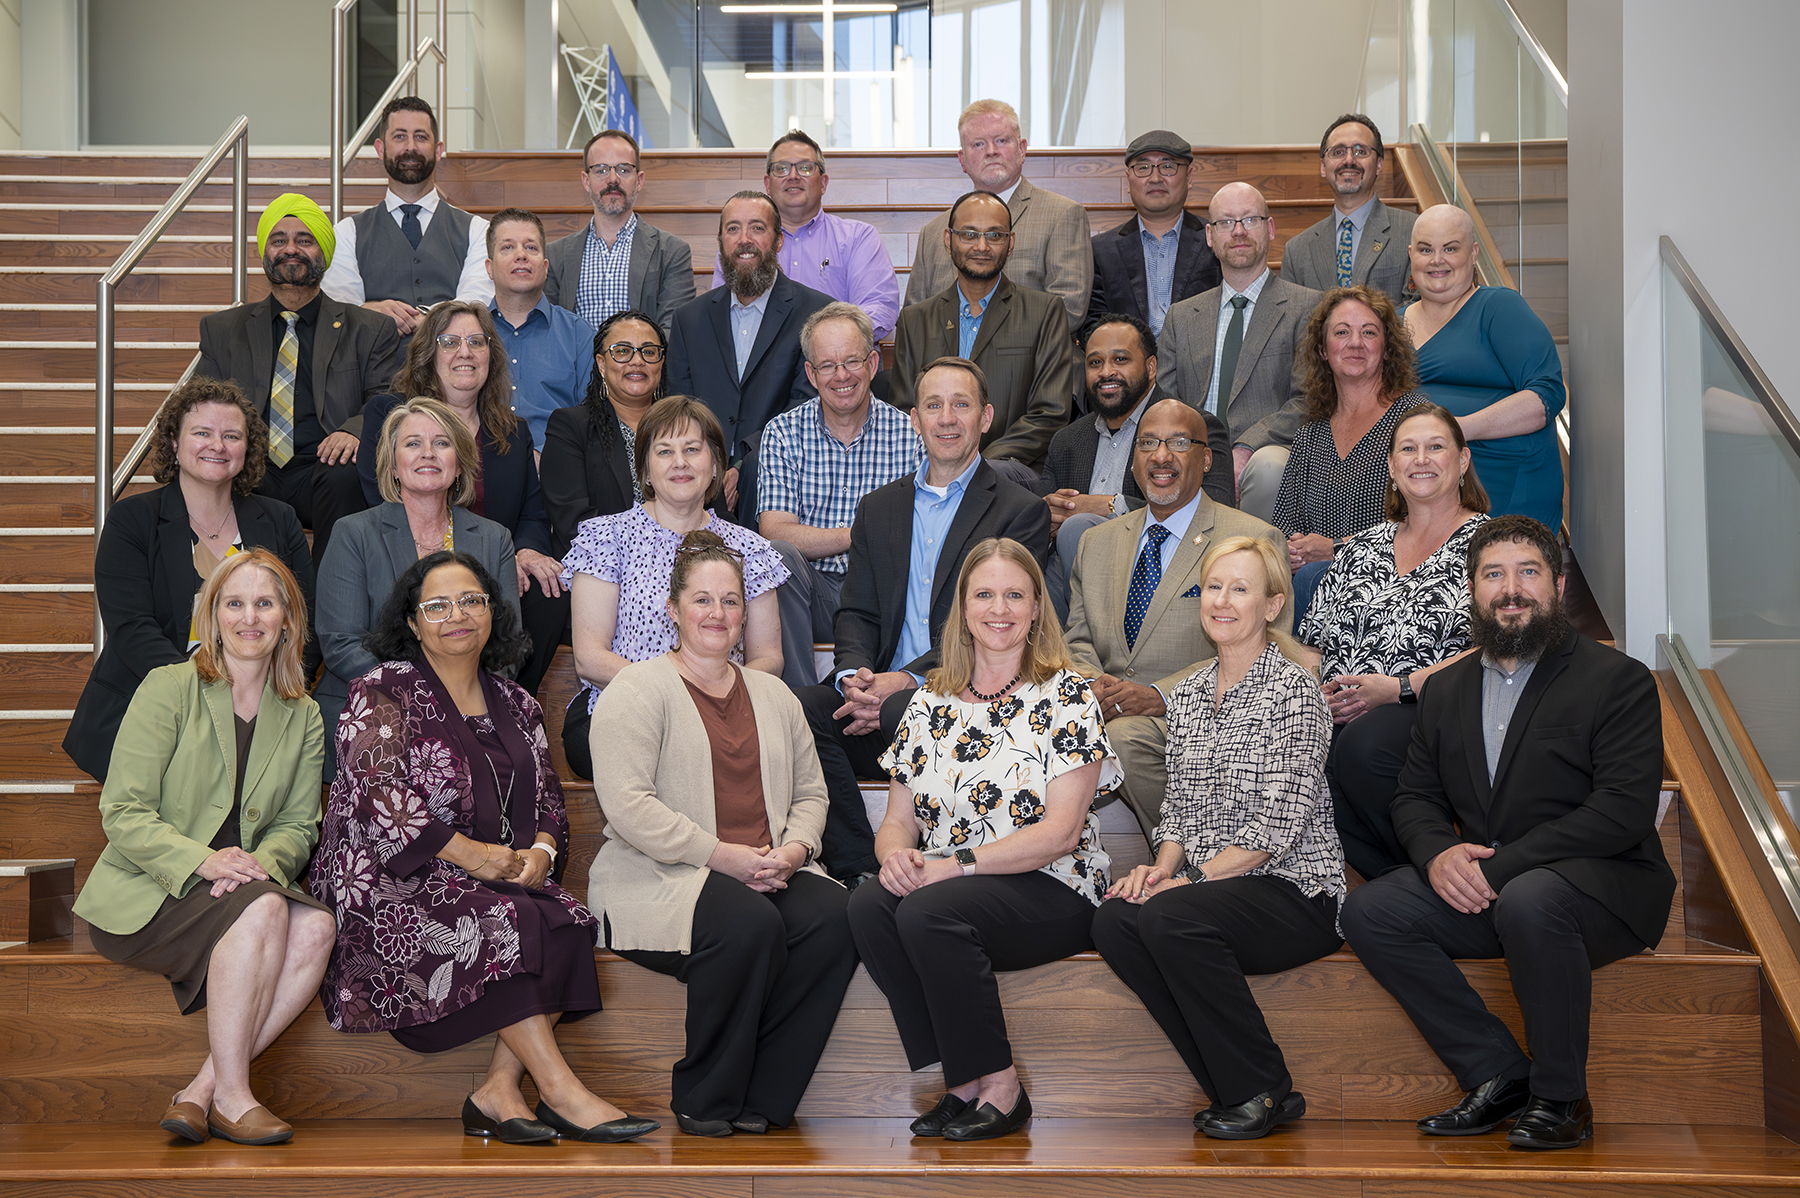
1045,651
990,108
284,668
1276,581
387,457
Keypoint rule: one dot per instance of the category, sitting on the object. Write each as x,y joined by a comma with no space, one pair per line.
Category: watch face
965,856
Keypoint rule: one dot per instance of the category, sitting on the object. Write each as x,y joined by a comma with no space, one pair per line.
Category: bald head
1444,222
1442,255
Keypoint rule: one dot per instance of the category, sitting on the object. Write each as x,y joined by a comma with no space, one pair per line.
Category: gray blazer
1309,258
1265,404
659,279
368,553
1053,250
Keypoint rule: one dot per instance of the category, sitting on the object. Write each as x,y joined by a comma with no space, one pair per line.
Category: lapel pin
337,324
1377,247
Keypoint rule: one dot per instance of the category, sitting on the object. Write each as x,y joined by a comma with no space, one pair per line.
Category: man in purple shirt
843,258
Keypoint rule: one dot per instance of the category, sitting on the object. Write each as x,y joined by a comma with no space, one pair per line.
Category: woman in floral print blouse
990,854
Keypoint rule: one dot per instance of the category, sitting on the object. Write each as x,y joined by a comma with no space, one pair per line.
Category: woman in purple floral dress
443,827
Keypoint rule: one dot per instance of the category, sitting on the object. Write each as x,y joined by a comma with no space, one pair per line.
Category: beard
980,274
750,279
293,270
409,167
1129,395
1526,641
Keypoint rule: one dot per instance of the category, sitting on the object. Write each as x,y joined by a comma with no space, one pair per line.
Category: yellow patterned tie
281,393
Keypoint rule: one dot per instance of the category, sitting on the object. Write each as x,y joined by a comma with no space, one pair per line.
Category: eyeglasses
1250,224
1167,169
1175,444
848,365
1357,151
623,351
436,611
805,170
599,170
451,342
991,236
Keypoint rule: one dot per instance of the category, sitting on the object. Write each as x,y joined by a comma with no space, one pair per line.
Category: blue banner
621,112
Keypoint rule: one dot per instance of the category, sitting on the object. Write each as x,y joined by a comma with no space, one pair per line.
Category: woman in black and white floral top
1392,611
990,853
1248,874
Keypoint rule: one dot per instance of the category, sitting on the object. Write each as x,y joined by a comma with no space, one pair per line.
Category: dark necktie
409,224
1228,354
1144,577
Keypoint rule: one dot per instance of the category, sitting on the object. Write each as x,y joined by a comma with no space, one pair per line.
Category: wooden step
210,285
60,557
136,362
213,220
37,322
34,680
31,747
50,617
57,453
60,405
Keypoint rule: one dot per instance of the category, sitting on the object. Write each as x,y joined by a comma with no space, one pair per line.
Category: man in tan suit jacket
1136,675
1052,239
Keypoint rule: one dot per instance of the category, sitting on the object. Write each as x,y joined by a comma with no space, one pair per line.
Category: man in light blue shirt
549,350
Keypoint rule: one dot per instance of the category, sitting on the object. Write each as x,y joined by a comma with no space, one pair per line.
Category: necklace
214,534
426,548
997,694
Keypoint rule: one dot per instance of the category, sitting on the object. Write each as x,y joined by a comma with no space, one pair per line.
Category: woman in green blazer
211,810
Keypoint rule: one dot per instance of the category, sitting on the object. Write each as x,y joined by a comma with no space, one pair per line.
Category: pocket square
1192,592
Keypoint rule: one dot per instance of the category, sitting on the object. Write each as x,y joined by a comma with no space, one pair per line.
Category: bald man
1232,350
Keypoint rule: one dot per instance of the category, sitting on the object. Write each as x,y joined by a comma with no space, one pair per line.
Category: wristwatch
1406,690
1194,873
966,859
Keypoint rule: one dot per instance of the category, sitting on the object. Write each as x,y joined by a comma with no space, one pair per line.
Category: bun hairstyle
698,547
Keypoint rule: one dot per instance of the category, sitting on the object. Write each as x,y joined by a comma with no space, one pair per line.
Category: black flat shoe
613,1131
984,1122
1545,1123
933,1122
1481,1110
712,1129
511,1131
1254,1119
751,1123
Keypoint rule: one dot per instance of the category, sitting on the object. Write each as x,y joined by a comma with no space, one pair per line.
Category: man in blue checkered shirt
817,461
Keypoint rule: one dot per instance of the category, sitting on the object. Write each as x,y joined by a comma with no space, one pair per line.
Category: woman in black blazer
471,377
587,464
209,449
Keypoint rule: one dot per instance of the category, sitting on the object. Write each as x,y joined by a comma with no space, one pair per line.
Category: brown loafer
259,1125
187,1120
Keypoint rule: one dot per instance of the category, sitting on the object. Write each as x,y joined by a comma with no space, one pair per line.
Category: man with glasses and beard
1361,240
1528,804
413,249
737,347
310,364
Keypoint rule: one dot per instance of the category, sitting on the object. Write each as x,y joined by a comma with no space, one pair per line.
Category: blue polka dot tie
1346,234
1144,577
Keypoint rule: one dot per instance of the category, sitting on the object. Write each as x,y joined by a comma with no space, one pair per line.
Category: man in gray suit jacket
1052,248
1372,249
628,264
1232,350
1140,660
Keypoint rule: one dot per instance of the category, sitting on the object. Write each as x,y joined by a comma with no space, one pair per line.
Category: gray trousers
808,602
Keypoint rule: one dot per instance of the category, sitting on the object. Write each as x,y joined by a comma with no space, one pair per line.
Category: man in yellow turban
308,362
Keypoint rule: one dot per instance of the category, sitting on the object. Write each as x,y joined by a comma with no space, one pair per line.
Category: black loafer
1545,1123
613,1131
1255,1118
1481,1110
985,1122
712,1129
933,1122
510,1131
752,1123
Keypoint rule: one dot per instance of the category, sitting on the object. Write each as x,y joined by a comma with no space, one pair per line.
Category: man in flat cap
308,362
1160,256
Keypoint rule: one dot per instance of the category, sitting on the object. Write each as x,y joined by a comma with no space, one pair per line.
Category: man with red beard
308,362
1362,241
413,249
1528,805
737,347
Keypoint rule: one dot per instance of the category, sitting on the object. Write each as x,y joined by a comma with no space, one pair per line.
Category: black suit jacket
356,354
702,362
1070,461
144,584
1576,789
1120,282
510,495
584,474
872,604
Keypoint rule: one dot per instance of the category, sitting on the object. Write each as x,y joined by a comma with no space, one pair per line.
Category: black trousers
1186,953
934,954
320,495
1552,936
1363,769
848,846
765,978
546,622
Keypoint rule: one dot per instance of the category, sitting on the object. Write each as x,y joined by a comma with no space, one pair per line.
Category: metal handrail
343,153
1535,48
1731,343
107,484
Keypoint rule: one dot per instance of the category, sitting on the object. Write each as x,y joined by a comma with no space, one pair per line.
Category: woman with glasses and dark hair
441,835
588,467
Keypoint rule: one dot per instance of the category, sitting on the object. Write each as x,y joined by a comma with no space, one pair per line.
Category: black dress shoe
1203,1115
751,1122
1481,1110
1546,1123
933,1122
613,1131
712,1129
985,1122
1255,1118
510,1131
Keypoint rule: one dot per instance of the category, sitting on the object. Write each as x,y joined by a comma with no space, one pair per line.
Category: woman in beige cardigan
714,803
